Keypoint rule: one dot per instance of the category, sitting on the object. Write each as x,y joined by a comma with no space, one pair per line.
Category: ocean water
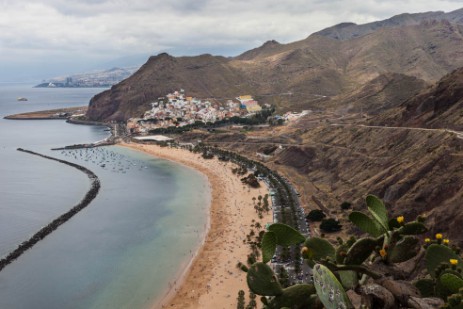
119,252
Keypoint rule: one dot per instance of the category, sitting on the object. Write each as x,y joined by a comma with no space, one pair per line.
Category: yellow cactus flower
453,261
438,236
382,252
400,219
427,240
446,241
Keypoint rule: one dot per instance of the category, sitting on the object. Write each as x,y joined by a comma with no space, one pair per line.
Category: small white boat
21,99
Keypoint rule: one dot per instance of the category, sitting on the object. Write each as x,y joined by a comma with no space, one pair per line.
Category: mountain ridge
310,68
345,31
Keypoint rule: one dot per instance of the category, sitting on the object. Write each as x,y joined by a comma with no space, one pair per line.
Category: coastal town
177,109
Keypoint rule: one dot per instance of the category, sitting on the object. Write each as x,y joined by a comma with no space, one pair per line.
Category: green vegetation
360,266
330,225
256,119
316,215
346,205
251,181
240,301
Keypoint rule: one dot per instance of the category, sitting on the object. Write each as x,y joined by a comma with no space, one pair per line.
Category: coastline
211,279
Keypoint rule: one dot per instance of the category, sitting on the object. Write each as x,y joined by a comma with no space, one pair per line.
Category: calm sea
119,252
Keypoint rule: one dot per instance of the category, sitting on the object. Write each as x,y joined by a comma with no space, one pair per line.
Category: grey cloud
92,30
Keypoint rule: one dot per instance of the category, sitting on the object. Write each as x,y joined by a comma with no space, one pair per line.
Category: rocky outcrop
439,106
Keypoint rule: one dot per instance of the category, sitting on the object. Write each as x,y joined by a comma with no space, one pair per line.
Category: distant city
104,78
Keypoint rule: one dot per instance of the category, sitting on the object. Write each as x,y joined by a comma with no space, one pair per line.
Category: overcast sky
42,39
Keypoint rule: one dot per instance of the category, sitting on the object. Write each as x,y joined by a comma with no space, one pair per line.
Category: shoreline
50,114
210,279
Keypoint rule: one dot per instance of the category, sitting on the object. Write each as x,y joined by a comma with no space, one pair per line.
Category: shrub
251,180
346,205
316,215
330,225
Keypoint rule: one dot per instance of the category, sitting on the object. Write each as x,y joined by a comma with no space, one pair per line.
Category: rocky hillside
295,75
404,154
381,94
439,106
346,31
416,171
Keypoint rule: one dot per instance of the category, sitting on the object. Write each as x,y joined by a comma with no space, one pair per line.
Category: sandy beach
212,279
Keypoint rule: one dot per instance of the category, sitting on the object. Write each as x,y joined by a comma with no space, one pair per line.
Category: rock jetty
53,225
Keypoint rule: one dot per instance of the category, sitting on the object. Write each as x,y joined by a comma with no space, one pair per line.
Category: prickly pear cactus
451,282
295,296
438,254
413,228
404,250
455,301
426,287
262,281
341,253
268,245
329,290
349,279
286,235
378,210
366,224
317,249
360,251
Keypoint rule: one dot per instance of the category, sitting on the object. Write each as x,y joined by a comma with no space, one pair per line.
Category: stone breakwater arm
53,225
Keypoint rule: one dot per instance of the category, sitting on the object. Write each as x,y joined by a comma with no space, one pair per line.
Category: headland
60,114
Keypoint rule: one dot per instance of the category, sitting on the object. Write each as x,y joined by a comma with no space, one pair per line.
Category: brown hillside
291,76
439,106
346,31
415,171
378,95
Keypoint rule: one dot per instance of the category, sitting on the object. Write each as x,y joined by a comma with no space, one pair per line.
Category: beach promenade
212,279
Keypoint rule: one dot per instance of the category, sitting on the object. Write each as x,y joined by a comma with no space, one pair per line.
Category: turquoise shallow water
119,252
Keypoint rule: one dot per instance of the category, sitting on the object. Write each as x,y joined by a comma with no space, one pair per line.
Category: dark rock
379,297
402,290
425,303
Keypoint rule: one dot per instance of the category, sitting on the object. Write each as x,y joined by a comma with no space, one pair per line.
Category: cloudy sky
44,38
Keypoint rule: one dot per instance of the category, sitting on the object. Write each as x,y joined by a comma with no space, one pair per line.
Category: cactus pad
319,248
360,251
286,235
366,224
426,287
404,250
268,245
437,254
329,290
349,279
451,282
297,295
413,228
262,281
378,210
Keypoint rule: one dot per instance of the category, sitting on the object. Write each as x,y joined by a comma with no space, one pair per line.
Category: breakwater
53,225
